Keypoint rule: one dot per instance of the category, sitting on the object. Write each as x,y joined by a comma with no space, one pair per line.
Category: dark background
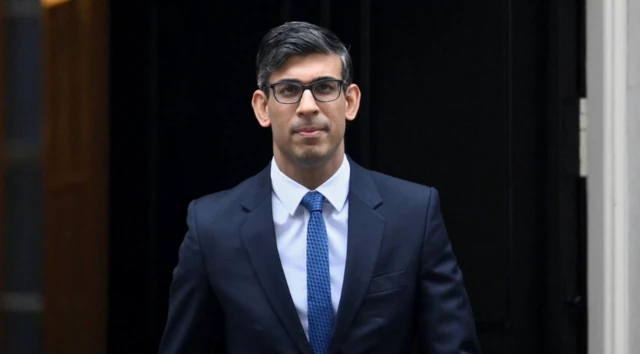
478,99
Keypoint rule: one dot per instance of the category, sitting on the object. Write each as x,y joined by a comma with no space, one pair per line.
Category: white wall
613,183
633,148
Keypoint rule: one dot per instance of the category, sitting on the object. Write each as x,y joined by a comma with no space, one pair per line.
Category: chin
312,157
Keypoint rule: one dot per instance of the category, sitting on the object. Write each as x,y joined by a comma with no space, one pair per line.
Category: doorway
478,99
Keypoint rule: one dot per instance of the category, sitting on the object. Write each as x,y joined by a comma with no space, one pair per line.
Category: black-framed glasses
290,92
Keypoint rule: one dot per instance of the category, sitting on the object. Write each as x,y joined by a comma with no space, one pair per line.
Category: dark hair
297,38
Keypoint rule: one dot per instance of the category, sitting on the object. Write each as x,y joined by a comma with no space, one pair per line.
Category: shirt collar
290,192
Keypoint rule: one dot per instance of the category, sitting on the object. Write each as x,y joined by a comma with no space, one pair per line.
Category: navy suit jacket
402,285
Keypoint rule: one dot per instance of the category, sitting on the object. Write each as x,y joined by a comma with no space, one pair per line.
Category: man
315,254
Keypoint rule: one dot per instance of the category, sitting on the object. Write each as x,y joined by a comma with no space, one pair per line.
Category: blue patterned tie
319,305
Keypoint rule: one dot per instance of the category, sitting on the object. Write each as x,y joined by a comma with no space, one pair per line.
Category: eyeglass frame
307,87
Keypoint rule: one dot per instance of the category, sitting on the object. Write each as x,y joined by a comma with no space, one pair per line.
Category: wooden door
75,175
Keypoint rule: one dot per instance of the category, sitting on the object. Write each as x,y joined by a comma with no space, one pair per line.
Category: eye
287,89
326,86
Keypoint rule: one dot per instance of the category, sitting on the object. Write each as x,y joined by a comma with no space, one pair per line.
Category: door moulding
607,182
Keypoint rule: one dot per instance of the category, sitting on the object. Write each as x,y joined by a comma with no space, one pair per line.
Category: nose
307,107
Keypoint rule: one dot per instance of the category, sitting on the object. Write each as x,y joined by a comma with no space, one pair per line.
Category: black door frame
566,214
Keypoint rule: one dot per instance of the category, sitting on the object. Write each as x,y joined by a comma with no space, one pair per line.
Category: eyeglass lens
323,91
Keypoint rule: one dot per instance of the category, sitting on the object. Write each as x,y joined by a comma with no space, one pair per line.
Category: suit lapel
365,233
258,236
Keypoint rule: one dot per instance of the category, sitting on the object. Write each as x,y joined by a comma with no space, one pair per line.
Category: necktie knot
313,201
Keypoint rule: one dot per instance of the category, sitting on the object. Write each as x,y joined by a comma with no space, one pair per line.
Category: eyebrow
320,78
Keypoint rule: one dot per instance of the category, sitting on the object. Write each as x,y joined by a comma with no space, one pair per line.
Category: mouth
310,132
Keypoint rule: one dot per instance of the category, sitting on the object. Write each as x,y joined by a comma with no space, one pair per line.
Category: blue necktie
319,305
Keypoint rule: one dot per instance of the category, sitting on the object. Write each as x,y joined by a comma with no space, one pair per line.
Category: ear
352,101
259,103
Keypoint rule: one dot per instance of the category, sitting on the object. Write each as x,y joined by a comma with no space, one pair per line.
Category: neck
310,176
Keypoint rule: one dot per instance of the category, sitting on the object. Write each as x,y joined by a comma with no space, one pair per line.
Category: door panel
75,176
440,100
458,107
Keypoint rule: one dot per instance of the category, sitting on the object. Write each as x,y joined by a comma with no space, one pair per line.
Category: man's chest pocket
388,282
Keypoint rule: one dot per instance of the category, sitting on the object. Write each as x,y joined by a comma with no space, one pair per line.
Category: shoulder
405,205
214,203
227,204
395,188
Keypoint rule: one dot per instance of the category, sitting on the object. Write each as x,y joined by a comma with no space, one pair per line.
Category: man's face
309,132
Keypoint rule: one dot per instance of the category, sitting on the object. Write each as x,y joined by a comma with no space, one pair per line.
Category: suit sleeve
194,321
445,321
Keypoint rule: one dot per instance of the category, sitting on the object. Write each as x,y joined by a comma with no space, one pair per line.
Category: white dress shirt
290,219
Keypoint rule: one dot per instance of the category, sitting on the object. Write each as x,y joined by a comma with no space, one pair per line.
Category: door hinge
584,122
